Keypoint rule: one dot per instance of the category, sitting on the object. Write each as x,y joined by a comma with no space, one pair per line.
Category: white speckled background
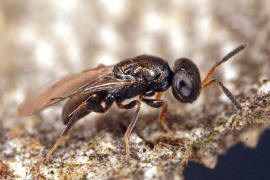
42,41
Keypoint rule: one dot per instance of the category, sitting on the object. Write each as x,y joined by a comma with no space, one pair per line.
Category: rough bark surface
44,41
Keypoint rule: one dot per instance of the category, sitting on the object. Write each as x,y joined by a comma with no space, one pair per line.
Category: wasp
95,90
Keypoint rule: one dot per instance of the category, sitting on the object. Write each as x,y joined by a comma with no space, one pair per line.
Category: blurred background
43,40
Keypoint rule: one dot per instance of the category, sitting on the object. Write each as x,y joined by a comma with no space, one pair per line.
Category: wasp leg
132,123
75,115
149,93
225,91
158,96
64,133
156,103
92,103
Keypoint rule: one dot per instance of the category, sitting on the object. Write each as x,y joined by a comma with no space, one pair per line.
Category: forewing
66,87
88,82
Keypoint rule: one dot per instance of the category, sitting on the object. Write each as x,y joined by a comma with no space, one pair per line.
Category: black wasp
95,90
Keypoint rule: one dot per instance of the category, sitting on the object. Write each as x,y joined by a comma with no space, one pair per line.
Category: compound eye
184,86
186,82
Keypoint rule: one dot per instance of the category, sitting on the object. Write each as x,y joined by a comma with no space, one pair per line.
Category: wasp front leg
157,103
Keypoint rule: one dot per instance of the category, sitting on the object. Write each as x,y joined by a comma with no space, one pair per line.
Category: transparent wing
88,82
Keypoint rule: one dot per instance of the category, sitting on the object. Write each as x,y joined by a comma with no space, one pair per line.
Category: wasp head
186,83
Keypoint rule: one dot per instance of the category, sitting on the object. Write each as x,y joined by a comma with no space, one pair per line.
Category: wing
88,82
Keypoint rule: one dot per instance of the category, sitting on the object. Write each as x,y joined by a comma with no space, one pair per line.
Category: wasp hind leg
75,116
132,123
64,133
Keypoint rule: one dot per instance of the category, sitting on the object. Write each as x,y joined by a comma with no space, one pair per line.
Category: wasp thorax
186,83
